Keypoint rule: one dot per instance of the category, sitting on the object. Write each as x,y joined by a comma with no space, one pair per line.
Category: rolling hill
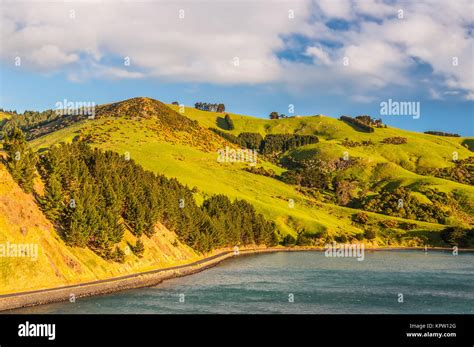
179,144
139,126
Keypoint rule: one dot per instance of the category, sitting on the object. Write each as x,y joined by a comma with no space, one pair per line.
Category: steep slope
23,223
160,122
193,162
4,115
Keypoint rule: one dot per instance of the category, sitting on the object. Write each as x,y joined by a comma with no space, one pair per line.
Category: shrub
396,140
389,223
260,171
341,238
361,218
350,143
357,123
288,240
138,249
370,234
118,255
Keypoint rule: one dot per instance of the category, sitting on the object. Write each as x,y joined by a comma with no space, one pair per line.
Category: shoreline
153,277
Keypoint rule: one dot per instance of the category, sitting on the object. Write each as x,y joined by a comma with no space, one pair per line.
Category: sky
311,57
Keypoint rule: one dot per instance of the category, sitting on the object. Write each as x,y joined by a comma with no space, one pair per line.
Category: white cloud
435,95
92,40
319,54
50,56
341,9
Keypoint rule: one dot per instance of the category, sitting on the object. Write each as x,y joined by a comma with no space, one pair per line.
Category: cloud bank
366,46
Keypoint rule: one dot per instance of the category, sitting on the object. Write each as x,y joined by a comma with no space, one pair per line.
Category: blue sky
222,53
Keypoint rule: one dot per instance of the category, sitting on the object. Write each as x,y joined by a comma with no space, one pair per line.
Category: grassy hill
421,150
187,150
180,145
4,115
22,222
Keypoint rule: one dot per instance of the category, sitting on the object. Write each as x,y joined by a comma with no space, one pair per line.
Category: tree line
442,133
204,106
360,124
34,123
271,143
91,196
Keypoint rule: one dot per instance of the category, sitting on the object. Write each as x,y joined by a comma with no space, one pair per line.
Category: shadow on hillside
469,143
433,238
355,127
221,123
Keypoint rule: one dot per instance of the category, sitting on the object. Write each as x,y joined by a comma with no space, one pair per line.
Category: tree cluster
204,106
462,171
400,203
92,196
351,143
441,133
20,160
357,124
283,142
272,143
370,121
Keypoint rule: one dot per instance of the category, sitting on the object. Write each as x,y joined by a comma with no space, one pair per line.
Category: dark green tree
21,161
229,122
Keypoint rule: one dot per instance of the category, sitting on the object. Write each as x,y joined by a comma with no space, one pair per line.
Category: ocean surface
303,282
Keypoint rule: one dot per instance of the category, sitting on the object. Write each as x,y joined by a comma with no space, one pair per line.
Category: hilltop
160,122
285,186
138,125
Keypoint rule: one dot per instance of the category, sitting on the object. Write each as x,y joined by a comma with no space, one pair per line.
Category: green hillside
55,264
141,128
4,115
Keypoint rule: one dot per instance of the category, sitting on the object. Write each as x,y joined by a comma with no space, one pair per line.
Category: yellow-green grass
23,223
420,151
60,265
202,170
4,115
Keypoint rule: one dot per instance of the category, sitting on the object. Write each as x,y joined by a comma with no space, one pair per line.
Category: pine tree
21,161
52,202
230,123
138,249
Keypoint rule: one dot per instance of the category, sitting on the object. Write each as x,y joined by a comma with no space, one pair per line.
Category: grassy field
190,155
420,151
197,168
